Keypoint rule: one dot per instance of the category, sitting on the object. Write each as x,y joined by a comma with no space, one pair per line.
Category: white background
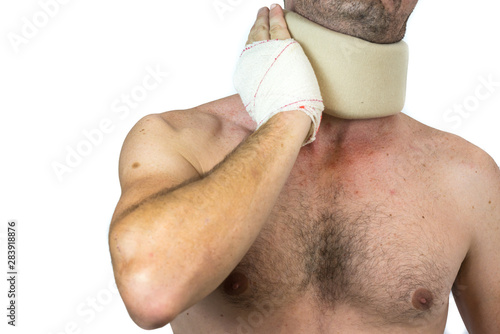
65,79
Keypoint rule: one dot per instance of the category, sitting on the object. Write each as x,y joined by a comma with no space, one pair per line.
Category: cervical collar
358,79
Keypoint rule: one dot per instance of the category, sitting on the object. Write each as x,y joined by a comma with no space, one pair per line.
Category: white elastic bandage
274,76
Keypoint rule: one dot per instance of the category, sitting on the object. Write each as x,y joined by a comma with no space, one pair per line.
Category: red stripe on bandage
274,62
251,46
302,107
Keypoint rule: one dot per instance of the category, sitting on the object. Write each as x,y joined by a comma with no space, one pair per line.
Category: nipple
422,299
235,284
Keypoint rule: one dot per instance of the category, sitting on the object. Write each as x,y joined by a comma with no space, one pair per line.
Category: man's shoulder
209,124
447,147
211,118
453,160
472,167
203,135
461,152
462,165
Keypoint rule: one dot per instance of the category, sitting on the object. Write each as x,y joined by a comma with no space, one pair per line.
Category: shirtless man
223,229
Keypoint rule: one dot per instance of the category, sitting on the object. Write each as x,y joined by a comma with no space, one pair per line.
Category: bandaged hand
273,74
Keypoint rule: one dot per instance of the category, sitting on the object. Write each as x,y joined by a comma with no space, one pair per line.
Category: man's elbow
150,300
149,305
149,317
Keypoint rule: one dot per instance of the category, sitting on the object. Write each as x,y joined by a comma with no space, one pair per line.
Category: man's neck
358,79
358,136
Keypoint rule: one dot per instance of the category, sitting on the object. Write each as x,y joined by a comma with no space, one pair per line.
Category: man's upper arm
153,158
477,288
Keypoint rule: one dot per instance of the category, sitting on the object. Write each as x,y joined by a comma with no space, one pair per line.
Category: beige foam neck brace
358,79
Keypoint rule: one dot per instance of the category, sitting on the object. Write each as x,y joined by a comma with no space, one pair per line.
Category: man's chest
379,240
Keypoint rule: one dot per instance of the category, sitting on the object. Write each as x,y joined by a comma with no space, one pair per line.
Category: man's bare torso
365,237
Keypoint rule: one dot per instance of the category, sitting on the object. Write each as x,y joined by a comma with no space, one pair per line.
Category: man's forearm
180,246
